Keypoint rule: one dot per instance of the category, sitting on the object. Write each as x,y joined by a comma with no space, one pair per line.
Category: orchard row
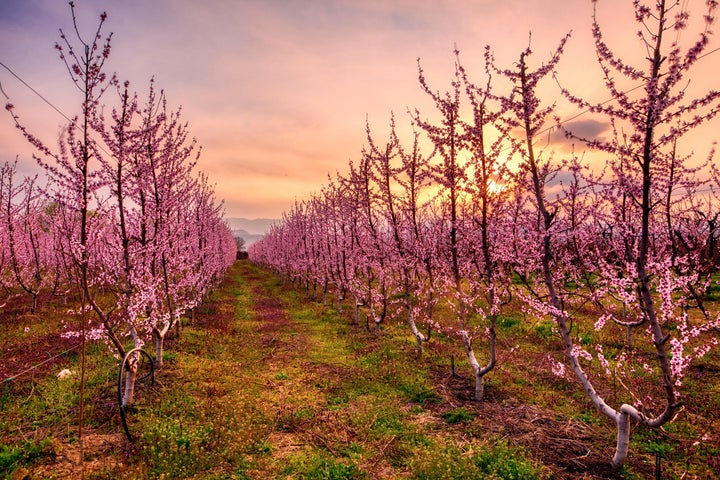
122,220
446,229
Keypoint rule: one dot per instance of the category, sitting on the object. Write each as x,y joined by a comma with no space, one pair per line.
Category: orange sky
277,91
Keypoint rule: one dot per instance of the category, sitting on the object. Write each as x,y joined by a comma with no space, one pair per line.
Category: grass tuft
458,415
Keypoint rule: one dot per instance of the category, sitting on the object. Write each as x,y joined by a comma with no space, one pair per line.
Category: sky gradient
277,91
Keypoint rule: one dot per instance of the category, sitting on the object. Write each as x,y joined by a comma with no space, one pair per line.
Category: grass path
268,385
258,388
265,384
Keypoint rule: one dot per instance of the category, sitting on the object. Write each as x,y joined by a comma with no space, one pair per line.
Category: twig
324,442
381,453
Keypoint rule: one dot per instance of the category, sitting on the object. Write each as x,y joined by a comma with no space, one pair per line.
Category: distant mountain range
250,230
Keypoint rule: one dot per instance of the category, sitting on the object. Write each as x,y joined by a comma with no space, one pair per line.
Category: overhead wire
34,91
588,110
546,130
48,102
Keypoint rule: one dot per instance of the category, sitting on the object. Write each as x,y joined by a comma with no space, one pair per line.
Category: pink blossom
557,368
579,352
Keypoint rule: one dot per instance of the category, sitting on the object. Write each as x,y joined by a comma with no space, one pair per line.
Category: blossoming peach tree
140,233
631,273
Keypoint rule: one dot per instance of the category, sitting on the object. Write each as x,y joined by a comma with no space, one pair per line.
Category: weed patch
494,460
24,454
458,415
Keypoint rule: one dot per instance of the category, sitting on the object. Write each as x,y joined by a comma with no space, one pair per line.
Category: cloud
277,92
579,130
588,128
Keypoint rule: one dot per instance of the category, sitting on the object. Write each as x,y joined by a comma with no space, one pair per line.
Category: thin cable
72,122
35,92
13,377
708,53
588,110
547,129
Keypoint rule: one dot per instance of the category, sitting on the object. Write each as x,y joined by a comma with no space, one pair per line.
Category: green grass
496,460
25,453
458,415
309,396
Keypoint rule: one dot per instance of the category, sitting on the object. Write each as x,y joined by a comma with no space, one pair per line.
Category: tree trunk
623,440
178,327
159,341
340,298
419,337
132,369
479,371
357,313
